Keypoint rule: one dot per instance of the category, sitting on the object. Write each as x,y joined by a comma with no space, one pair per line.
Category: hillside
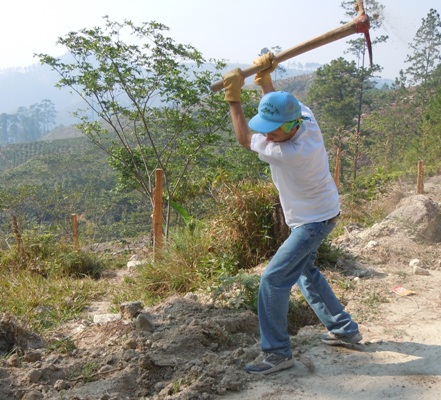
22,87
189,348
44,182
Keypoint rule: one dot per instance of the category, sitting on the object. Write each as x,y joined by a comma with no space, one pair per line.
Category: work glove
233,82
264,77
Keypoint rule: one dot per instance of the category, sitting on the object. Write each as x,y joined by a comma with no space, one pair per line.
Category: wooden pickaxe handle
359,24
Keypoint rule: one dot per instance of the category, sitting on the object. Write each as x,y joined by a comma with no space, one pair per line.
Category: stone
143,323
131,309
420,271
415,263
104,318
32,395
34,375
33,356
14,360
61,384
421,214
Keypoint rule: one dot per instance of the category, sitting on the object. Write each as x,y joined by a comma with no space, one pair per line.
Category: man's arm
233,82
240,125
267,88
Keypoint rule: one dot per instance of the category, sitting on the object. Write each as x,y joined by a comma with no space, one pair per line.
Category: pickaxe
360,24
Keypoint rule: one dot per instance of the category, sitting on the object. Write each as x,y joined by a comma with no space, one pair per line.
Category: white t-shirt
300,172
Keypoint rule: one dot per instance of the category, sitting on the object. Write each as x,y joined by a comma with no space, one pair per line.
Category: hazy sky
234,30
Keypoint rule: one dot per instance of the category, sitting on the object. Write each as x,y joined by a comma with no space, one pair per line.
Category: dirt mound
14,338
196,350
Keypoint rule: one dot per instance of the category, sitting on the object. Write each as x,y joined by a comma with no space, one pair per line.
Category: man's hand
264,77
233,82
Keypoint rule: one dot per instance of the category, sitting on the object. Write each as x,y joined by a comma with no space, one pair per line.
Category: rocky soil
188,348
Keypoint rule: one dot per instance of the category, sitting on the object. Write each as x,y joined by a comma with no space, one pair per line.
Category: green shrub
248,224
239,291
44,254
80,264
182,266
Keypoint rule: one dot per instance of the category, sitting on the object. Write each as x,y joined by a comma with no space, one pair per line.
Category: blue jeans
294,263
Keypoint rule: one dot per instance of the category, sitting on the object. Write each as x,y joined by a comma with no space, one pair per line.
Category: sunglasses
287,126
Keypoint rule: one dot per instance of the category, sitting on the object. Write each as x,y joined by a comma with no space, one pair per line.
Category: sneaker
332,339
271,363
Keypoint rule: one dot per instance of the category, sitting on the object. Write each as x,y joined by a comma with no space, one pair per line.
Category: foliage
328,254
359,47
44,303
246,222
244,231
236,291
27,124
429,141
391,130
182,268
333,96
44,255
53,180
158,109
426,49
15,155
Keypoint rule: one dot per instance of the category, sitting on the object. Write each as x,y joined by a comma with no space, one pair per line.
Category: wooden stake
17,235
157,213
74,218
420,178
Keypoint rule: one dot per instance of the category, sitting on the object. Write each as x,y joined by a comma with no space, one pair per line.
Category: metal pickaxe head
362,25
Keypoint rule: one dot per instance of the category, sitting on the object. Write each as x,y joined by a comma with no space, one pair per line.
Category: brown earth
197,350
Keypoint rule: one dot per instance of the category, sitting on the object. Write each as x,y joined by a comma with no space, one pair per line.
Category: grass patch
45,303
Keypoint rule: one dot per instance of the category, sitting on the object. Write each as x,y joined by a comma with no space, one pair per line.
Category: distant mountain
23,87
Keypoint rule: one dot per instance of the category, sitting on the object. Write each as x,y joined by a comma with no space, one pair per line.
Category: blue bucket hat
275,108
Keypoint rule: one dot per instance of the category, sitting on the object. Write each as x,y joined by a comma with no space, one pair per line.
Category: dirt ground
192,349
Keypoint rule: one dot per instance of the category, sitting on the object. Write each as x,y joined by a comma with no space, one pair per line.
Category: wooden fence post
157,214
17,235
420,178
74,218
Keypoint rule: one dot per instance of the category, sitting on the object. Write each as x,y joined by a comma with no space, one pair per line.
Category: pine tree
426,49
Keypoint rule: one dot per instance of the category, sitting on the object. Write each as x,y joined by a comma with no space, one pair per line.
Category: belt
333,220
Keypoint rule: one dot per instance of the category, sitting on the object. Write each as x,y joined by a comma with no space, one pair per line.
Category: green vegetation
222,214
27,124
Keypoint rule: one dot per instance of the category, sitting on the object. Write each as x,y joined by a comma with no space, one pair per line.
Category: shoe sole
340,343
283,365
343,342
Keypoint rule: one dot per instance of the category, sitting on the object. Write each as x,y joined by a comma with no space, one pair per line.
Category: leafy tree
44,113
153,97
333,95
429,142
392,128
27,124
4,123
426,48
358,48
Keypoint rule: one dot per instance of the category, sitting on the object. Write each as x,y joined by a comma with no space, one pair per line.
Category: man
290,141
